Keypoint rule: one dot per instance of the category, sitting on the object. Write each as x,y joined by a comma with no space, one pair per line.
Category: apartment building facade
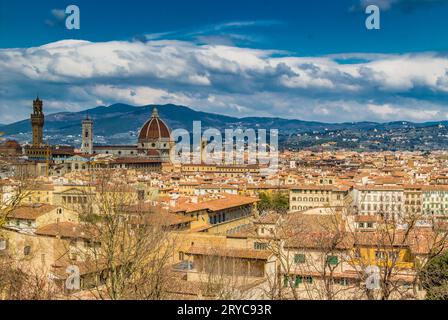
385,200
304,197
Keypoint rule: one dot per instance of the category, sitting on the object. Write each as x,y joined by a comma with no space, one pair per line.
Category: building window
297,281
3,244
73,256
393,256
285,281
343,281
332,260
27,250
380,255
260,246
299,258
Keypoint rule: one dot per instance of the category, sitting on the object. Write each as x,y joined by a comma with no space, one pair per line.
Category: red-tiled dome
11,144
154,129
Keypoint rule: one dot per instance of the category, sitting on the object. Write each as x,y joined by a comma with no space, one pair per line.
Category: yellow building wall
368,257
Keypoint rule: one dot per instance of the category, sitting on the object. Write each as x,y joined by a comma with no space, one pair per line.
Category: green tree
276,201
435,278
280,202
265,202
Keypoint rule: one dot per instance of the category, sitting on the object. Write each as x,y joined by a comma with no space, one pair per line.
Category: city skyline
224,157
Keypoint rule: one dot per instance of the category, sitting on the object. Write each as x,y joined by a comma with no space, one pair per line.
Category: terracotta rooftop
66,230
31,212
227,201
320,187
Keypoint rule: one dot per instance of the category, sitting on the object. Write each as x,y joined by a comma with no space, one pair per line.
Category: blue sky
312,60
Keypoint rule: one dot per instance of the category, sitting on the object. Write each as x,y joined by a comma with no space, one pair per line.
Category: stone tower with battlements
37,122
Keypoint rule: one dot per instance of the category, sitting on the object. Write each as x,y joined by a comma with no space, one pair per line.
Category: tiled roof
66,230
227,201
31,212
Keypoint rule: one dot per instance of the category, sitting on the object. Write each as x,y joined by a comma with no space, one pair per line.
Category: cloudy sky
310,60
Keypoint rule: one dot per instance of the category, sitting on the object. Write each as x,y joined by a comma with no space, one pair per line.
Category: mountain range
120,123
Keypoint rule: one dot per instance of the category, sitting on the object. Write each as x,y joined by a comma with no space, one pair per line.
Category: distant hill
120,123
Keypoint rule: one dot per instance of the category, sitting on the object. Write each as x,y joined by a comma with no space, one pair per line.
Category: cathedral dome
12,144
154,129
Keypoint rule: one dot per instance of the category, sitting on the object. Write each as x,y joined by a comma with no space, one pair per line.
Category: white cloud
59,14
389,112
227,79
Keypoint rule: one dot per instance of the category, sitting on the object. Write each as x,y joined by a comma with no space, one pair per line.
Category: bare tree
225,277
401,250
132,249
12,195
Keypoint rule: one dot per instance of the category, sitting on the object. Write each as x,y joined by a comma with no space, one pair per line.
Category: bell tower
37,122
87,136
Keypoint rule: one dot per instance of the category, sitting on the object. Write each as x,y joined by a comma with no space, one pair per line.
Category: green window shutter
285,281
299,258
309,279
332,260
298,281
